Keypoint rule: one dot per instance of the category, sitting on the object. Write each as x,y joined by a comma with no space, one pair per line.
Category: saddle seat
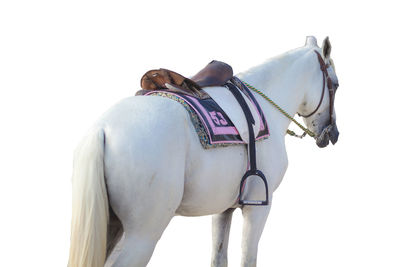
216,73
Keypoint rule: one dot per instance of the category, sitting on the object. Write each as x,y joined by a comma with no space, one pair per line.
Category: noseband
325,76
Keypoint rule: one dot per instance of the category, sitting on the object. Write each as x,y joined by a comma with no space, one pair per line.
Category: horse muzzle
329,133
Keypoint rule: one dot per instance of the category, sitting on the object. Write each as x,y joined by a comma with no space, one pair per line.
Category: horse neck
284,79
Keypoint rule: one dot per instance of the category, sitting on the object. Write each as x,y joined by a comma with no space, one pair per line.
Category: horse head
317,108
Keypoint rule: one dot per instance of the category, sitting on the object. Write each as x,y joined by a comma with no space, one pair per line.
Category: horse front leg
221,224
254,218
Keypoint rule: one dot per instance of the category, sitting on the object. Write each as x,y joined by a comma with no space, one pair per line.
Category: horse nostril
323,140
334,134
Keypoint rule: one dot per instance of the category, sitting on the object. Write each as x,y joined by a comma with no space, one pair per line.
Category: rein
289,132
331,98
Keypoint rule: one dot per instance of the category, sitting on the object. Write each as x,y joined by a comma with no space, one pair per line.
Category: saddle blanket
217,126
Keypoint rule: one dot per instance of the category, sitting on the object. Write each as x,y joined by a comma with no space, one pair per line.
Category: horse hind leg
145,186
136,250
114,232
145,208
139,241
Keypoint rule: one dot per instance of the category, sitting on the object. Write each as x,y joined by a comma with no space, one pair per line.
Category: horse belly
212,179
213,176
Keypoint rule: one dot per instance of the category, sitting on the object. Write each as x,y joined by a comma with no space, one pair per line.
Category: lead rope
289,132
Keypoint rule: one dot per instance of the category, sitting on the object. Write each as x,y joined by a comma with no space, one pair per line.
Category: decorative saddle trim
212,125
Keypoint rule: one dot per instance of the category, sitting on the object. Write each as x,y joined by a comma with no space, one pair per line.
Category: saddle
216,73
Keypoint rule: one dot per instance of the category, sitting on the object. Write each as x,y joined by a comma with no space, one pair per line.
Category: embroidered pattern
212,125
198,125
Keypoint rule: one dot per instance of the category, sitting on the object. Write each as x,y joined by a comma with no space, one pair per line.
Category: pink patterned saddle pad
212,125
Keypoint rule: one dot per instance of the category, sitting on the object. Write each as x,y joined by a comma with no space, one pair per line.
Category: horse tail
89,203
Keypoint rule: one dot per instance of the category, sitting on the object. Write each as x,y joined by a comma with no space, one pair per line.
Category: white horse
142,164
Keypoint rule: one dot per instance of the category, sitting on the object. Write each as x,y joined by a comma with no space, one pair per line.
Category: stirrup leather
251,148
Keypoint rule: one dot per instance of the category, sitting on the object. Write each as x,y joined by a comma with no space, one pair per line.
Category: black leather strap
251,148
250,122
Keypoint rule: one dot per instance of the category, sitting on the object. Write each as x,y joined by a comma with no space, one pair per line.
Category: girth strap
251,148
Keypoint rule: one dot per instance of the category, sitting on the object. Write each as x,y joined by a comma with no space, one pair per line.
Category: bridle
325,75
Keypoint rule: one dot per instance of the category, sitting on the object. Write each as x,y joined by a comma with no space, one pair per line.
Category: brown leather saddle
216,73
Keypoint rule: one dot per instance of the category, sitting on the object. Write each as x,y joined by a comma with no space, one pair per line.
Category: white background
63,63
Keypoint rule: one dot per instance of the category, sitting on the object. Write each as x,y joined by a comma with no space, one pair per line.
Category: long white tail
89,204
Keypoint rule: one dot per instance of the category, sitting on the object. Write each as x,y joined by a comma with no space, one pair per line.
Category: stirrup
254,202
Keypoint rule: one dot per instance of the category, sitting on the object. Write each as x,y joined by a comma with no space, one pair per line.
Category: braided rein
289,132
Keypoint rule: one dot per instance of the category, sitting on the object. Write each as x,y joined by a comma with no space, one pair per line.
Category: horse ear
326,48
311,41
